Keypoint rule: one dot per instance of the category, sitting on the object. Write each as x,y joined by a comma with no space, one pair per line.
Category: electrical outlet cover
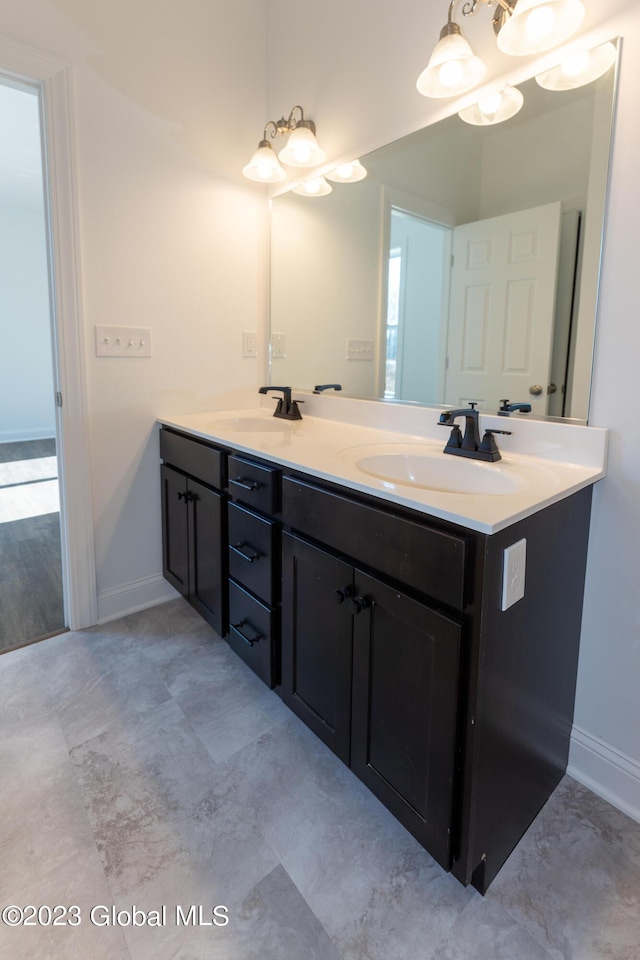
513,573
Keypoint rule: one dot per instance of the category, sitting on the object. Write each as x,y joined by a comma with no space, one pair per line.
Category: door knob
535,390
552,388
358,604
343,594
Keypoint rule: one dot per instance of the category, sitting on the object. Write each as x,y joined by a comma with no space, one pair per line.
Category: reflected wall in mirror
463,268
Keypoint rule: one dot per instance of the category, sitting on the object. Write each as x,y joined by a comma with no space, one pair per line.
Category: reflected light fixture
318,187
522,28
350,172
302,150
494,108
578,70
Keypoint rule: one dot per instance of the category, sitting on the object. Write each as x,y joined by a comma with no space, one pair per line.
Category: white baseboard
607,771
134,596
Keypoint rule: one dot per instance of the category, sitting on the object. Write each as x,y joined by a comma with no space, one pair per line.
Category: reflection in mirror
463,268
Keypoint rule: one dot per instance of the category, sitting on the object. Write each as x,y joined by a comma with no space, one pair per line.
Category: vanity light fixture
302,150
580,69
522,28
318,187
494,108
350,172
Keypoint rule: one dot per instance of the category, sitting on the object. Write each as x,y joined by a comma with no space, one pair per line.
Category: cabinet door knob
358,604
343,594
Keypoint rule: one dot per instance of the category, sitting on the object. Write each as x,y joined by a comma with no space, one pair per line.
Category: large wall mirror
463,268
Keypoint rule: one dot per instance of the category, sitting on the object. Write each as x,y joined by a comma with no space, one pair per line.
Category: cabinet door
405,695
317,641
175,548
205,555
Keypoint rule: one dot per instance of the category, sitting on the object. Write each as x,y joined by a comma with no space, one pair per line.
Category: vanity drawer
194,457
252,541
416,554
251,633
255,484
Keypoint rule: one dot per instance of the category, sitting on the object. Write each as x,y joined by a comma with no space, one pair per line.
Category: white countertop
549,460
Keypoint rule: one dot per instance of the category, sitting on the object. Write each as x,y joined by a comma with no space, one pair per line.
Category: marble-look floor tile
485,931
271,922
97,675
357,867
576,894
24,695
613,826
170,631
44,820
76,882
227,705
162,828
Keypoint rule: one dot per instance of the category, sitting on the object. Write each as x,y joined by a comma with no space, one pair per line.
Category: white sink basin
427,467
255,424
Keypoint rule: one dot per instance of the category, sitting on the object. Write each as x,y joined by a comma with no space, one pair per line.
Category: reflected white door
501,313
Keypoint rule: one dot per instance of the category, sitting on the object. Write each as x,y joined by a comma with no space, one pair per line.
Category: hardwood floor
31,604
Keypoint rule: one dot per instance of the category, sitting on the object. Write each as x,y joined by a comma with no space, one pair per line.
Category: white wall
27,406
357,81
169,99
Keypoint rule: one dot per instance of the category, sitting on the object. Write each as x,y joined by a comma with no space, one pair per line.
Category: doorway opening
31,585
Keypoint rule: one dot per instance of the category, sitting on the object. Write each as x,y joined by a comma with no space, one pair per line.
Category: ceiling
20,155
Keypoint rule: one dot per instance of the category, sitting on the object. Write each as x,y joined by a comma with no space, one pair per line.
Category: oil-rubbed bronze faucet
286,408
470,445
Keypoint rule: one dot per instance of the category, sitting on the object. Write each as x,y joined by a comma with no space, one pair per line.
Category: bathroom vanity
374,607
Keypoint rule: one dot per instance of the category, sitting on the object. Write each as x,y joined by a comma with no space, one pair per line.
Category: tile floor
142,764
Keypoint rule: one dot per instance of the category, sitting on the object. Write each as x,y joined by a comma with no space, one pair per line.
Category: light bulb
348,172
580,69
494,108
318,187
490,105
575,65
263,166
302,149
540,23
453,67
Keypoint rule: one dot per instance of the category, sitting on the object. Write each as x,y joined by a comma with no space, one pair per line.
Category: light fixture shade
538,25
453,67
348,172
302,149
318,187
263,166
494,108
579,70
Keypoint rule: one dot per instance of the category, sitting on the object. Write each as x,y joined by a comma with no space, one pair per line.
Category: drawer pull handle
250,642
250,485
249,557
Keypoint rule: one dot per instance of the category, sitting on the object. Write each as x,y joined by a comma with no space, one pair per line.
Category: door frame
53,78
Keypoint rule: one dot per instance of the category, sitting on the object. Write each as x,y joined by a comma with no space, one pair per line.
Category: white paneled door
501,312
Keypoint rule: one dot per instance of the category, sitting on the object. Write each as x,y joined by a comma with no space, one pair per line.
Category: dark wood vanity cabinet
375,675
193,526
382,628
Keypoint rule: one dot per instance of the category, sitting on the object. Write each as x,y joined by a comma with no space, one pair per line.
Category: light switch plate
123,341
359,349
513,573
